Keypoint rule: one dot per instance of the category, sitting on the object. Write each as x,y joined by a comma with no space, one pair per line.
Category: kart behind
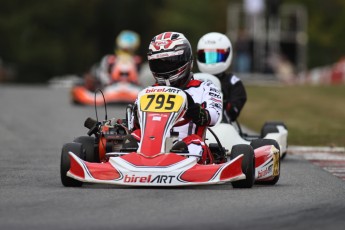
117,92
231,134
108,156
123,86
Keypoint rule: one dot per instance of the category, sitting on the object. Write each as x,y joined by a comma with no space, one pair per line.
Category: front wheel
248,165
65,163
262,142
89,145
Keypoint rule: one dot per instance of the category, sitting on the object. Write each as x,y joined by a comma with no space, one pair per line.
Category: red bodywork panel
86,97
163,160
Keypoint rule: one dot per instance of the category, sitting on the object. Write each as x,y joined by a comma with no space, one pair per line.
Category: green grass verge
314,115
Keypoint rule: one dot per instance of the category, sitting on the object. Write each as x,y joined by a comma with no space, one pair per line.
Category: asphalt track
36,121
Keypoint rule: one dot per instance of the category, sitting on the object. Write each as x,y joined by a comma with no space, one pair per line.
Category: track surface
36,121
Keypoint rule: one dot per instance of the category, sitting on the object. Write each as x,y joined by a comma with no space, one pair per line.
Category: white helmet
214,53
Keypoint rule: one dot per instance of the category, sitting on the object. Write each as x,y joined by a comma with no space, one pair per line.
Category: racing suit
234,96
208,96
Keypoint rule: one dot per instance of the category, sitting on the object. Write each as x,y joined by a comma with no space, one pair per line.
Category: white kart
231,134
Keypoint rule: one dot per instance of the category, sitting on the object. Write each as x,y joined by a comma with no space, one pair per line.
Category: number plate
161,102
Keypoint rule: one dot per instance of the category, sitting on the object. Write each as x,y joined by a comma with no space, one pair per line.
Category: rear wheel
75,102
257,143
271,127
65,163
89,145
248,165
268,129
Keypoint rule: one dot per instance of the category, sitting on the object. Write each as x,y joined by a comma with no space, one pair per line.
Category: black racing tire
271,127
276,123
266,129
262,142
65,163
76,103
89,145
248,165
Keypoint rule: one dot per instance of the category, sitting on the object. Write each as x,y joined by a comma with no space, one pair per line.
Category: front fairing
159,108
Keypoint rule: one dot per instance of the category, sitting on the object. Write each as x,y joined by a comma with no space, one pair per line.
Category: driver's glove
198,114
232,111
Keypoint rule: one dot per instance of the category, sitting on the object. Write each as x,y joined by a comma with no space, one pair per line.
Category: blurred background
295,39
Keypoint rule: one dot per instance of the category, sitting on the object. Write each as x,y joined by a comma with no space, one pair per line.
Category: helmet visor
165,65
213,56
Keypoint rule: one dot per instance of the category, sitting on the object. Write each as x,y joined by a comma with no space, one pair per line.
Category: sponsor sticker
276,165
216,95
156,118
164,55
149,179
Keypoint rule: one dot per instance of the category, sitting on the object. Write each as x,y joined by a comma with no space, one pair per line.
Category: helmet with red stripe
170,59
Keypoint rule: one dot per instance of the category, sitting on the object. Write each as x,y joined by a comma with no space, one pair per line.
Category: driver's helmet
214,53
127,41
170,59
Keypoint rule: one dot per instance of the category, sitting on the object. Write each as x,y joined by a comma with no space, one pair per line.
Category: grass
314,115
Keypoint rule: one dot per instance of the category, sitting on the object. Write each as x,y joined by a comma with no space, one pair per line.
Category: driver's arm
208,111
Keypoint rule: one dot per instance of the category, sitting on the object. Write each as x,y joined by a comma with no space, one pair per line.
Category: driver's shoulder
194,83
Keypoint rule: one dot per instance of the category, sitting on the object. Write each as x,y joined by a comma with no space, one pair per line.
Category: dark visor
167,64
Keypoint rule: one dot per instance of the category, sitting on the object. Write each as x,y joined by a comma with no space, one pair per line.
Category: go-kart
109,157
117,92
231,134
123,86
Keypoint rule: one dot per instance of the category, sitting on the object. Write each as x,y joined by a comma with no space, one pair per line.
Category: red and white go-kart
104,158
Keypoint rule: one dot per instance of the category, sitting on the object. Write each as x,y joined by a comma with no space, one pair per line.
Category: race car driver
214,56
106,71
170,60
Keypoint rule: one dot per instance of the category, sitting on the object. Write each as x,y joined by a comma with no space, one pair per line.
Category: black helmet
170,59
